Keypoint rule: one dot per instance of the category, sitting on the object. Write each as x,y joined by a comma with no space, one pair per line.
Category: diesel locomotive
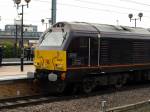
89,54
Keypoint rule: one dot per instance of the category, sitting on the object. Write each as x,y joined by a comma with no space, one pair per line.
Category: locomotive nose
50,60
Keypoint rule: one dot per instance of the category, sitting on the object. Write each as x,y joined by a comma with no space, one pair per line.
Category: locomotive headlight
52,77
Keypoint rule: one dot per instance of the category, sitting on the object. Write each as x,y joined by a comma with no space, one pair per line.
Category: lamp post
22,43
140,15
17,23
49,22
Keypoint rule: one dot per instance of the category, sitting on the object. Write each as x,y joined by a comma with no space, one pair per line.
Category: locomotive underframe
97,76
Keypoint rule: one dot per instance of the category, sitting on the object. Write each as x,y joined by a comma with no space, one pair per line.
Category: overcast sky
95,11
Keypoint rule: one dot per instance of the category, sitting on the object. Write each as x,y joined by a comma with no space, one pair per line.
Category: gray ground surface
90,104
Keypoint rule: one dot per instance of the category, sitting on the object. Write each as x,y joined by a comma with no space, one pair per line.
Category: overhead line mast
53,12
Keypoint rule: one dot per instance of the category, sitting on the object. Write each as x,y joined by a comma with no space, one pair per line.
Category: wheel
60,87
119,83
87,85
71,88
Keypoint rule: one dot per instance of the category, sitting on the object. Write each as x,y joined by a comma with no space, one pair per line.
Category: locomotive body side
91,55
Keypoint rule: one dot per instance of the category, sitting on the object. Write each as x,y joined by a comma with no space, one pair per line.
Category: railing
26,34
126,108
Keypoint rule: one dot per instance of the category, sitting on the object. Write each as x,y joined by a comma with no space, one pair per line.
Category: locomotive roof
106,30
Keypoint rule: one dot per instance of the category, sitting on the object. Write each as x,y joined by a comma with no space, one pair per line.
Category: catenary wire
135,2
96,9
110,5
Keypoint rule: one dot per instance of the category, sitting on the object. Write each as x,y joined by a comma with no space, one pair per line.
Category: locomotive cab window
53,38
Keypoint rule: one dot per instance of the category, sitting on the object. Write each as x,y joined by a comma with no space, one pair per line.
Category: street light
49,22
140,15
19,1
17,23
22,46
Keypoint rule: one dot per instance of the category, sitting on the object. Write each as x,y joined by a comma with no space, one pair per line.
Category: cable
130,1
42,1
96,9
96,3
71,5
135,2
108,4
85,1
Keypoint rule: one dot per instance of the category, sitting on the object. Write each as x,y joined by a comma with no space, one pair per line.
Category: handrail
26,34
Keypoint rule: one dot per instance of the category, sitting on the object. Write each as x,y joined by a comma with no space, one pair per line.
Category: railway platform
14,73
14,61
14,83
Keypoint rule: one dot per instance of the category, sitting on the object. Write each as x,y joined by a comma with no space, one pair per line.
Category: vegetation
9,50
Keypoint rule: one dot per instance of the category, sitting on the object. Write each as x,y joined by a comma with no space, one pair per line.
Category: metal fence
13,34
143,106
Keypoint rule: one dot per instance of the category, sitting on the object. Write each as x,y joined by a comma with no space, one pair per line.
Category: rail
23,101
125,108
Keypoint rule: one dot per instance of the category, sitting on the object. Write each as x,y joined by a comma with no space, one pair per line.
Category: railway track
48,98
37,99
10,103
24,101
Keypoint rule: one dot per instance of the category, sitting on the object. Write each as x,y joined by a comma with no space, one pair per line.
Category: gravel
91,103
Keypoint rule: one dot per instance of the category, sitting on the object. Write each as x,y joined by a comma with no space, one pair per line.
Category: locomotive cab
50,58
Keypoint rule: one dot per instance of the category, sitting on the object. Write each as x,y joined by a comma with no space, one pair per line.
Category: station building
12,33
